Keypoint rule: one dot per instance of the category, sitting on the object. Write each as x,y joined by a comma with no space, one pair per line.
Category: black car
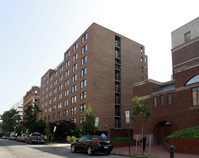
91,144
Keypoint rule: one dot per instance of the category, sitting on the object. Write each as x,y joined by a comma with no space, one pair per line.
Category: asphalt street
13,149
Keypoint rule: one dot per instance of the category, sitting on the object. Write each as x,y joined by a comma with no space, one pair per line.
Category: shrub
188,132
122,139
71,139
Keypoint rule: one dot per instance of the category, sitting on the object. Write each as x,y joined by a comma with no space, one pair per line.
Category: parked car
5,137
92,144
13,137
35,138
24,137
18,138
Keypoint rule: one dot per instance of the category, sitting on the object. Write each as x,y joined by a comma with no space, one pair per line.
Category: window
117,41
161,100
117,123
49,109
66,92
53,116
55,75
50,94
83,83
84,38
42,99
58,114
65,112
82,107
60,87
73,120
67,73
50,86
43,78
45,111
66,102
74,99
60,78
42,105
68,63
61,70
75,57
74,88
83,71
155,101
54,99
66,83
81,119
47,75
43,85
60,96
74,67
73,110
169,98
55,90
195,96
117,75
54,107
46,103
46,81
55,82
75,47
50,101
117,53
84,60
193,80
67,54
117,99
42,91
59,105
48,117
51,78
46,89
83,95
74,78
84,48
187,36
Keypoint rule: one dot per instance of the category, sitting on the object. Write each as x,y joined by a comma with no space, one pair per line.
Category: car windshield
97,138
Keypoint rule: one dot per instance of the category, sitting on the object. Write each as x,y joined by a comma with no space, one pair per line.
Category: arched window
193,80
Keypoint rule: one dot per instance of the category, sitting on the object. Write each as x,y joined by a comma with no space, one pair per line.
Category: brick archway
161,130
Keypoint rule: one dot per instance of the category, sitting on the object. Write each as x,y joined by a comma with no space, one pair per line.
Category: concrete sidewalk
156,150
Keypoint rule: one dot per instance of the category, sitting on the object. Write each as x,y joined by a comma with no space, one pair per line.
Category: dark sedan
91,144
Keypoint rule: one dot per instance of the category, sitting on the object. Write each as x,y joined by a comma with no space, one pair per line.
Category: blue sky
34,34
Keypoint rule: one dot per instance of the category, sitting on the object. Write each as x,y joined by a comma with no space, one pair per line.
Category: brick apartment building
32,97
98,70
175,104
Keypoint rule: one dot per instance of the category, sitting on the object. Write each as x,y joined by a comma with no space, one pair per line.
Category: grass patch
186,133
142,156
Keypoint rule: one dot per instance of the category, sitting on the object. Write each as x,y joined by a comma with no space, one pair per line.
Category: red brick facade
62,88
172,102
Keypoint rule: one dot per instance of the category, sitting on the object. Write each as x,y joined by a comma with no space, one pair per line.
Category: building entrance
161,130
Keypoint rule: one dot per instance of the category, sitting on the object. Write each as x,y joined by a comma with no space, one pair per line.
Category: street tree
141,112
30,118
9,120
88,125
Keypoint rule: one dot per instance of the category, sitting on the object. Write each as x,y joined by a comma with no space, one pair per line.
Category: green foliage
77,132
20,128
30,119
71,139
9,120
141,111
88,125
122,139
188,132
142,156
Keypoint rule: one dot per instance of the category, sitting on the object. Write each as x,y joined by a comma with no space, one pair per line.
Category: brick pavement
156,150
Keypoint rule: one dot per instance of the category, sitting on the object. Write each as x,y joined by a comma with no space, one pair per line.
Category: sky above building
34,34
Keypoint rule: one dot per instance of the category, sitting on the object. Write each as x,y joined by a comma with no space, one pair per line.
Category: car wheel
107,152
89,151
73,150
